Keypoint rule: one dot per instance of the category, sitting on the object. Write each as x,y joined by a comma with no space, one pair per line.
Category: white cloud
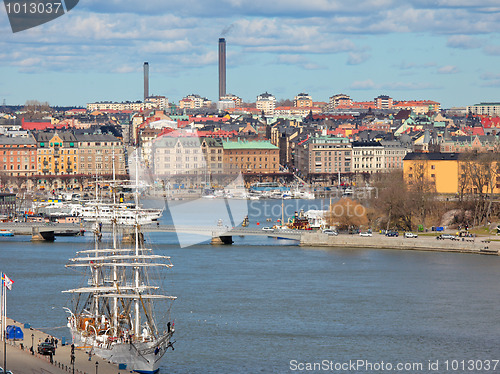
298,60
492,50
463,42
448,69
356,58
363,85
369,84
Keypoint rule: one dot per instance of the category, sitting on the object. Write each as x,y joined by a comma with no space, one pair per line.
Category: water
265,305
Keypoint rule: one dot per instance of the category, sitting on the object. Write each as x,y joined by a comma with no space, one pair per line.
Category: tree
36,110
421,190
392,200
347,214
284,102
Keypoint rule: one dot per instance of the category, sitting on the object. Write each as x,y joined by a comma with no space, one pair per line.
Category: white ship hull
141,357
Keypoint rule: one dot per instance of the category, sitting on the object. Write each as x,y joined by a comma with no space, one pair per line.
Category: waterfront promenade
478,245
21,361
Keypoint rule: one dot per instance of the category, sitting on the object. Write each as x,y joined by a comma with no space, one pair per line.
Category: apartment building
178,156
57,153
383,102
302,100
266,103
156,102
18,156
194,101
368,157
340,100
108,105
394,154
213,153
489,109
251,157
98,154
230,97
324,154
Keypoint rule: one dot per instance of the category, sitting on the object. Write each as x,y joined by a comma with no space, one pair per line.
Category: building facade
100,154
368,157
324,155
57,153
260,157
266,103
302,100
18,156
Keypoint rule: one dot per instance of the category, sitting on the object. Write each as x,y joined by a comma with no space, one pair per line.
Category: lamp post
32,344
96,366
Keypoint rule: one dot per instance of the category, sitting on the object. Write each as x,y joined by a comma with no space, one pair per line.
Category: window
433,167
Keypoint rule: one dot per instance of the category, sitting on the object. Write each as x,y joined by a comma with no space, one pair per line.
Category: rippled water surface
265,305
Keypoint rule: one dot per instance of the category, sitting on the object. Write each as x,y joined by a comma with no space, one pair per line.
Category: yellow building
452,173
57,153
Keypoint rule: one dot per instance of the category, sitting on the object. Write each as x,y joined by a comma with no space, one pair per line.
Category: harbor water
265,305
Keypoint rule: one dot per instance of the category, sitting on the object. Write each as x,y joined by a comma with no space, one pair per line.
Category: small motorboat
6,233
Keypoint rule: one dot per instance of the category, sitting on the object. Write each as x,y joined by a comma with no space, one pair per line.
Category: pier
20,359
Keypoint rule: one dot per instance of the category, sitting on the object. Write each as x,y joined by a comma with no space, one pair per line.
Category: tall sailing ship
113,315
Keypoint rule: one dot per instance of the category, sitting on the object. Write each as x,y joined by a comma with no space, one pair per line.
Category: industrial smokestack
222,67
146,80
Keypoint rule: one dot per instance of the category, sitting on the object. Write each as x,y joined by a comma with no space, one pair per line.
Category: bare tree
392,200
346,214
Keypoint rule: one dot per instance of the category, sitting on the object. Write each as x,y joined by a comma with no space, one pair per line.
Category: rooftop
248,145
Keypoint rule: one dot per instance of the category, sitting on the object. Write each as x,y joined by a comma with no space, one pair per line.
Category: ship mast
115,274
137,313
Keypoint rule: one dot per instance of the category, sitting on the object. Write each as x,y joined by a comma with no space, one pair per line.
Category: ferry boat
124,214
114,313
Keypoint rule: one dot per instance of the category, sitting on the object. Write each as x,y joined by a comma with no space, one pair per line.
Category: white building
266,103
490,109
368,157
157,102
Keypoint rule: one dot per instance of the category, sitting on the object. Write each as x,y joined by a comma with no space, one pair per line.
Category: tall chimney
222,67
146,80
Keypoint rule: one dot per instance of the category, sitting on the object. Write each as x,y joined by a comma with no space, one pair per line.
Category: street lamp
32,344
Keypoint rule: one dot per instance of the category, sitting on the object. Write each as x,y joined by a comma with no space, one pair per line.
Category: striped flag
7,281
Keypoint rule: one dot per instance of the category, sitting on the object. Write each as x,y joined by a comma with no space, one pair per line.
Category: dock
21,361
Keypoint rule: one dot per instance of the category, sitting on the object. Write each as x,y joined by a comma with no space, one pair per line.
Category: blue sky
442,50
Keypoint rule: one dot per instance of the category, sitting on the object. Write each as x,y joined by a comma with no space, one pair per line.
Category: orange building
250,157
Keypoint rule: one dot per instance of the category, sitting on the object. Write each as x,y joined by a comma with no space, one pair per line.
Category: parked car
330,232
392,233
447,236
410,235
46,348
365,234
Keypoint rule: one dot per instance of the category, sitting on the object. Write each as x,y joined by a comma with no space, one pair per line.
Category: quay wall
468,245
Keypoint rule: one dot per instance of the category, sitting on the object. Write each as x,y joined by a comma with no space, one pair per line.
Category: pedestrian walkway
21,361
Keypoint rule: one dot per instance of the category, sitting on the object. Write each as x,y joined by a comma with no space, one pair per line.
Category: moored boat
115,313
6,233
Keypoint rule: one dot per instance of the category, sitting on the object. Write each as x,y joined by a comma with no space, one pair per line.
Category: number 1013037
34,7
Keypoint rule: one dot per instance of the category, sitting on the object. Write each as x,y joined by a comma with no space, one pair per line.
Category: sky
442,50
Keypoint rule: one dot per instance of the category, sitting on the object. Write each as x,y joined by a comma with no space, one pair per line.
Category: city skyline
445,50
